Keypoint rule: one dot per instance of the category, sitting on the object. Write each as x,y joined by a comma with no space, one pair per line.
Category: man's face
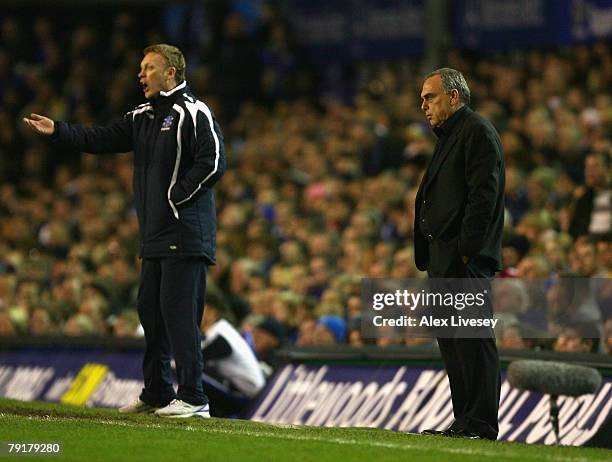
264,341
323,336
154,75
587,259
594,172
437,105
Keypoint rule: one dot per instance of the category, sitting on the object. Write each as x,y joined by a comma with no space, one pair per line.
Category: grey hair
453,80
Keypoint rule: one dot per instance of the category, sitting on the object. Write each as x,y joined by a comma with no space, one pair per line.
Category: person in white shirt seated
232,377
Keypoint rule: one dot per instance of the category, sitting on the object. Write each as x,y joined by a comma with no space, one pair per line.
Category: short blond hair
173,56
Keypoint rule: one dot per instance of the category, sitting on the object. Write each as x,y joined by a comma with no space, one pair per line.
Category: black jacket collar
447,127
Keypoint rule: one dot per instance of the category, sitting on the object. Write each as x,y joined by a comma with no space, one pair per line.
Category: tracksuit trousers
170,306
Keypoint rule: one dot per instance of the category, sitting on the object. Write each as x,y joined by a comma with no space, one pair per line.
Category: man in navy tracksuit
178,157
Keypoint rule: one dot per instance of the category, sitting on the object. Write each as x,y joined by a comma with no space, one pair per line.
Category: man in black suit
457,234
591,210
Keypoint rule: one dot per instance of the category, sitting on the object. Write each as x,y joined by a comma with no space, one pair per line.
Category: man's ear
171,72
455,96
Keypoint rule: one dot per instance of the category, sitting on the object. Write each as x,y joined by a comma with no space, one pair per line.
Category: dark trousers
170,306
472,364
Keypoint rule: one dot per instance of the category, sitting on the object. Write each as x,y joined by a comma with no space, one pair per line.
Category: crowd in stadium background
320,186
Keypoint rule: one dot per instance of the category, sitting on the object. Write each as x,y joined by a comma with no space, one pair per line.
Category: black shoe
465,434
434,432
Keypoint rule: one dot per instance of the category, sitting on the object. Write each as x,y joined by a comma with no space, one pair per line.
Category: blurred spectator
40,323
320,277
6,325
126,324
556,250
533,267
578,339
592,208
268,336
354,333
80,325
329,330
388,336
510,337
510,300
306,331
583,259
514,248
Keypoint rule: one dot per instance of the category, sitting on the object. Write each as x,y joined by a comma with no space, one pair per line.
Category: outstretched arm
113,138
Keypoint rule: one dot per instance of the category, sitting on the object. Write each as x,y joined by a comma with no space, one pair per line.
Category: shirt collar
447,126
181,86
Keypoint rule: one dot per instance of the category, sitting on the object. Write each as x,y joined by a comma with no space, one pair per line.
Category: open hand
40,124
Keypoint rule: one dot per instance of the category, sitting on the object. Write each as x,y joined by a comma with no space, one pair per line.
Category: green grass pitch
104,435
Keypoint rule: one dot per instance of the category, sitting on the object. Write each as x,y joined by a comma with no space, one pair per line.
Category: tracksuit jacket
178,157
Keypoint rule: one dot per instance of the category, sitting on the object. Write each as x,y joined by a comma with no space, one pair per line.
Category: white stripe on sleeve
140,109
193,109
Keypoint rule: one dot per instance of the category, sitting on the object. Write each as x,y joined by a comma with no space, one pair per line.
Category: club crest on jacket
167,123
